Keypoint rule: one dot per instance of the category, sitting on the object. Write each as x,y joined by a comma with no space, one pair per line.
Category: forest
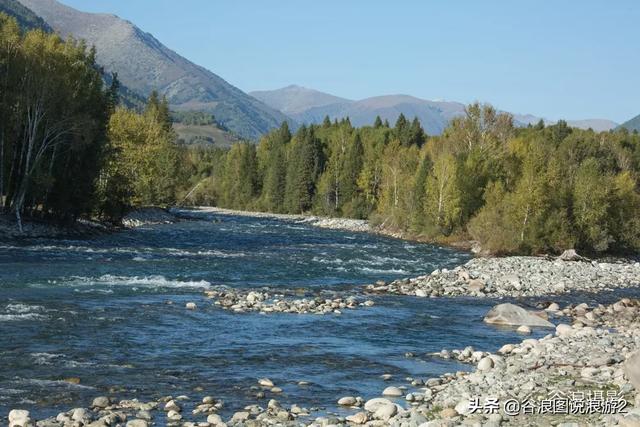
69,148
514,190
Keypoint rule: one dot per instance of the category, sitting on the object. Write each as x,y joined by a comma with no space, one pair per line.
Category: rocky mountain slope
144,64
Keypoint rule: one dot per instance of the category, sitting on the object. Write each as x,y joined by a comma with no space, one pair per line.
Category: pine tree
416,133
349,173
305,162
377,123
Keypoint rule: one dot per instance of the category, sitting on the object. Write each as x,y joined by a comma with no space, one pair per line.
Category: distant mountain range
144,64
311,106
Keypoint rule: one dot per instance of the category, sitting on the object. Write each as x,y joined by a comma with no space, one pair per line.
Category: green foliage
53,113
194,118
305,162
142,165
538,189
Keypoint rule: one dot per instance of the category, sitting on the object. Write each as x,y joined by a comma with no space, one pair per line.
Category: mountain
293,99
25,17
311,106
633,124
144,64
598,125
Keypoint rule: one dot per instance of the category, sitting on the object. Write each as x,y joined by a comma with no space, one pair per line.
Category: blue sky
571,59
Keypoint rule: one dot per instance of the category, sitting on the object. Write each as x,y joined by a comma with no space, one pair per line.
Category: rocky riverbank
34,229
518,276
583,373
346,224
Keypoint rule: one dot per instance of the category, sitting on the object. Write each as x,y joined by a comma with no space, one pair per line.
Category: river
97,311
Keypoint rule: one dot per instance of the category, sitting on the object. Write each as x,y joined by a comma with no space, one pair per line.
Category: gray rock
563,330
372,405
359,418
100,402
347,401
19,418
392,391
386,411
485,364
512,315
632,369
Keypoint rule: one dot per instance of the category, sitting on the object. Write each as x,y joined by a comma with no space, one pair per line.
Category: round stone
392,391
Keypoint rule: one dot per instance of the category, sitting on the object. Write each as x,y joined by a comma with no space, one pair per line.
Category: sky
570,59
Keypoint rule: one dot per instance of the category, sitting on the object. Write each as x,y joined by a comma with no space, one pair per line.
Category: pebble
517,276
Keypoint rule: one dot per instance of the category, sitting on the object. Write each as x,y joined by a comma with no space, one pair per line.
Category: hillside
294,99
144,64
25,17
311,106
633,124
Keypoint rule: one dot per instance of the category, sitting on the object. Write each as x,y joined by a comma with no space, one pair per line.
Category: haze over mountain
144,64
311,106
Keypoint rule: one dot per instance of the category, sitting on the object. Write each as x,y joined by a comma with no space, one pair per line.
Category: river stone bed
265,301
575,358
517,277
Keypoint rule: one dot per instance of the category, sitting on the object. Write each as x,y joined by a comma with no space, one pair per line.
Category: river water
96,311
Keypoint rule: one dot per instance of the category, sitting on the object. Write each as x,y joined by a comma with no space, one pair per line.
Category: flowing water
98,311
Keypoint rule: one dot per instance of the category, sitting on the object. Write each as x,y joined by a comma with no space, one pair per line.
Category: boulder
359,418
386,411
19,418
265,382
563,330
214,419
373,404
100,402
137,423
475,285
632,369
525,330
347,401
485,364
512,315
240,416
392,391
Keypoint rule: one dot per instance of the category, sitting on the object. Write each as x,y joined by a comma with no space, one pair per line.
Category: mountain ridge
144,64
434,115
